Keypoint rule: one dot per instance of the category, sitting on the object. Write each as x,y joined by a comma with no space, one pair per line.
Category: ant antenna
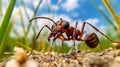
43,18
61,20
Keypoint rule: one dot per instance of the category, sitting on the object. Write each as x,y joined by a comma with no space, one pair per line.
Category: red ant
63,26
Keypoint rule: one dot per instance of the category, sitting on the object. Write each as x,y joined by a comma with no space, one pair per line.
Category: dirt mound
106,58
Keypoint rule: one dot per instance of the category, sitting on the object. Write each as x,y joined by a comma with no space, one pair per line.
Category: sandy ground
106,58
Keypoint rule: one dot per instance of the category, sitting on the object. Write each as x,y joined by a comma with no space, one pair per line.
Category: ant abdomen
92,40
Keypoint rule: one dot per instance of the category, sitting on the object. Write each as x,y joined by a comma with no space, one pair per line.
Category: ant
72,33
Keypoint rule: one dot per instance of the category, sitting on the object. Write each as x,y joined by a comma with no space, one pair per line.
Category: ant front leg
62,38
54,38
34,41
57,35
50,35
42,29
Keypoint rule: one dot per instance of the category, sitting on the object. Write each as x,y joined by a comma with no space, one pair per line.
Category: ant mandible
63,26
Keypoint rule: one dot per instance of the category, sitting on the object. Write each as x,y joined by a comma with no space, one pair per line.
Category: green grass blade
0,8
35,12
36,9
113,13
9,42
23,45
24,31
24,7
104,14
115,4
5,20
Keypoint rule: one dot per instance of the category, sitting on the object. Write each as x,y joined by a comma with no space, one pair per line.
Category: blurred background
16,30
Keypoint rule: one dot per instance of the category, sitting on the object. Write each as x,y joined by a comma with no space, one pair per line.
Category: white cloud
70,5
63,16
59,1
55,7
44,2
42,5
35,3
28,2
101,7
17,25
25,19
88,28
42,22
5,5
93,21
103,28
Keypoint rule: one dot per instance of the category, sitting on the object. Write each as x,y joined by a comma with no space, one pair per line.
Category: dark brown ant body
63,26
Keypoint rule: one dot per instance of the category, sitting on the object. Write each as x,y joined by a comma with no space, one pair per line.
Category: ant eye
66,25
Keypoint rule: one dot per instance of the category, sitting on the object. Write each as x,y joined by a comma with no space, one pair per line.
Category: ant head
65,23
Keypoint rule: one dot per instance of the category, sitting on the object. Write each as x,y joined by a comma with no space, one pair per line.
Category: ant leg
50,35
56,36
74,34
101,47
42,29
61,47
43,18
60,36
34,41
51,47
98,31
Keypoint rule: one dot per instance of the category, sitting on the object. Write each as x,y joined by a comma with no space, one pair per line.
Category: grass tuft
5,23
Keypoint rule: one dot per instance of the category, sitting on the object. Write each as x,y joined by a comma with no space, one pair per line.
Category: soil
106,58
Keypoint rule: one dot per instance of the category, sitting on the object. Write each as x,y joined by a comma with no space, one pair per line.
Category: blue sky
70,10
82,10
79,9
74,10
